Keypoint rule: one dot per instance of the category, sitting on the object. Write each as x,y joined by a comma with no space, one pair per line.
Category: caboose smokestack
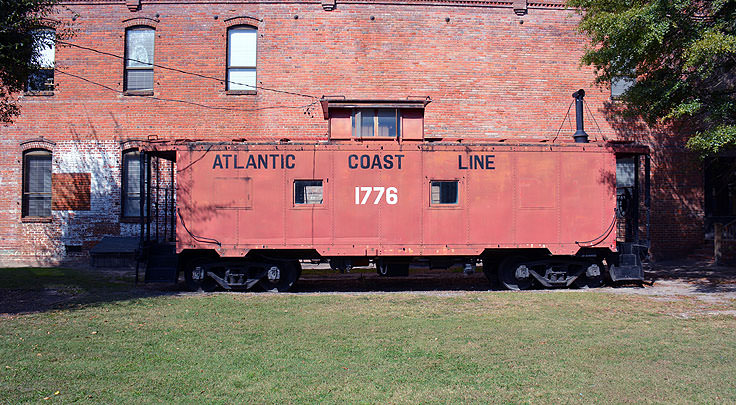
580,135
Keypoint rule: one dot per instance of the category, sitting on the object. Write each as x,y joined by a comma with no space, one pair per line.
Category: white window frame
249,66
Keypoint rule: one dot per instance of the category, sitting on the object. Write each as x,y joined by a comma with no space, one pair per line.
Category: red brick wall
489,72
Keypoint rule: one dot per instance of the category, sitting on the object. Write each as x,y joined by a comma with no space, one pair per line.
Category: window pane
387,123
43,40
241,79
619,86
443,192
131,184
366,123
38,172
308,192
41,80
38,206
139,79
139,47
625,172
242,47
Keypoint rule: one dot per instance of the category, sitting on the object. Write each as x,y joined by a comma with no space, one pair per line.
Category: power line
184,71
174,100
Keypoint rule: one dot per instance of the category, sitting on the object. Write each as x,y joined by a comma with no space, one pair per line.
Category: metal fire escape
157,247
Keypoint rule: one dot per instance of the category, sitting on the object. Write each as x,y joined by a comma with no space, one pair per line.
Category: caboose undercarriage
514,270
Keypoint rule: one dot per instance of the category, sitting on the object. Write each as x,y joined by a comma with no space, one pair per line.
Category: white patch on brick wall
101,159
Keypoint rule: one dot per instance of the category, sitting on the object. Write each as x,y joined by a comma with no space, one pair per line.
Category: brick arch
37,143
242,20
46,22
130,144
138,21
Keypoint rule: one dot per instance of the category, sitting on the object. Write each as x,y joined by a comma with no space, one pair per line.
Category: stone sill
138,93
241,92
39,93
39,220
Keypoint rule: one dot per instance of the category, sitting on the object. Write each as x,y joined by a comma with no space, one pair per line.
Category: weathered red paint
552,196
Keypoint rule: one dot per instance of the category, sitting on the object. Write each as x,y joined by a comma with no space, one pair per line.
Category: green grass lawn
536,347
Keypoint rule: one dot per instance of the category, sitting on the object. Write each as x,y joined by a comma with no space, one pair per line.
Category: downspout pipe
580,135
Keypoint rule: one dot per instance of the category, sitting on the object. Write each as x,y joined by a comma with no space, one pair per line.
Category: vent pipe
580,135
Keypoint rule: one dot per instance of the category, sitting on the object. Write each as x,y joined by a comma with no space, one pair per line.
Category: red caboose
553,214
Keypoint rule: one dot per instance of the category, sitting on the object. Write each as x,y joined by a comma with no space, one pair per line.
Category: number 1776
389,193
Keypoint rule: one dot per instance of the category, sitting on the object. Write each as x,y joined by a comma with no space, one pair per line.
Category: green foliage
682,53
18,50
714,140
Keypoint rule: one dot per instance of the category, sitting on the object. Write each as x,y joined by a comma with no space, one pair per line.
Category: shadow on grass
25,290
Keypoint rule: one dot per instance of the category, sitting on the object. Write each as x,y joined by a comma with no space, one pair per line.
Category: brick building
500,70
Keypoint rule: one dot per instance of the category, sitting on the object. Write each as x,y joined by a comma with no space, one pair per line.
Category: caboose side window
375,122
443,192
308,192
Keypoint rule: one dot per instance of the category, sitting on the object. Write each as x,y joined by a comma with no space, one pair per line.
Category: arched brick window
41,79
241,58
36,183
139,51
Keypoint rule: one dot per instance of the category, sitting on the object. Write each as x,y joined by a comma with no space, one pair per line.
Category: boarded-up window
308,192
139,58
131,184
36,183
241,58
71,191
443,192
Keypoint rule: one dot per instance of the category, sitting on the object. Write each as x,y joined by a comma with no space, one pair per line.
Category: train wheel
490,269
195,274
280,276
592,277
514,274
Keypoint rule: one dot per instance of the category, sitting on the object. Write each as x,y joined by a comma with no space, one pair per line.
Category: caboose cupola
368,120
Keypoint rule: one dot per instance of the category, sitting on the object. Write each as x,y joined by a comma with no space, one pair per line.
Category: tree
682,54
20,48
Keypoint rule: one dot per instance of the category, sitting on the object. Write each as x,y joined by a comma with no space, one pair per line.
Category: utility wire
174,100
184,71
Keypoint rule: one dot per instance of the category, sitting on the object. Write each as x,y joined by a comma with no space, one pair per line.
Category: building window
620,85
44,49
308,192
131,184
139,59
375,122
36,183
241,58
443,192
